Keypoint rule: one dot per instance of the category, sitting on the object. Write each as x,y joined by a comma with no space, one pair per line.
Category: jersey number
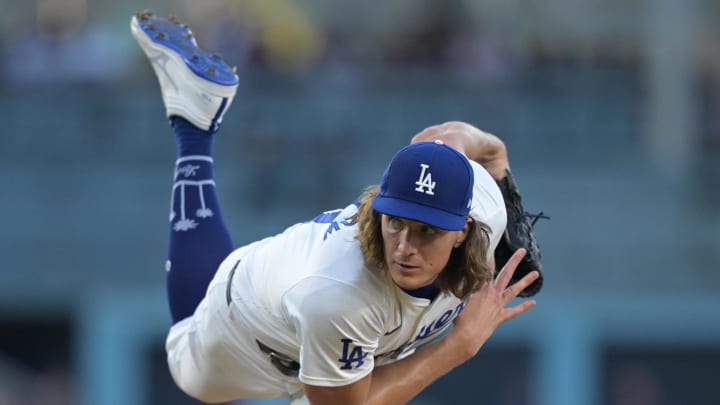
350,356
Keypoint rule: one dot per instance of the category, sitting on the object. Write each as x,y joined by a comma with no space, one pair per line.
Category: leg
197,88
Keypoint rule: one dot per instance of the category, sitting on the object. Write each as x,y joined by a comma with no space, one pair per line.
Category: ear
463,233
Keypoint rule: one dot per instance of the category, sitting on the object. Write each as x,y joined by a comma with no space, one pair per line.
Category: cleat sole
177,37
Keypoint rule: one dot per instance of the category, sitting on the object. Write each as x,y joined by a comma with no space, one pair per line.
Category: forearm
479,146
399,382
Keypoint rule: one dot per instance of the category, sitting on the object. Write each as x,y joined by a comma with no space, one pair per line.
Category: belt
228,288
283,363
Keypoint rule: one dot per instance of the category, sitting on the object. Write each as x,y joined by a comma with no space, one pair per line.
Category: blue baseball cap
428,182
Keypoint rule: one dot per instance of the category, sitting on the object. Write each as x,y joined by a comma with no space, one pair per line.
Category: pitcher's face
415,252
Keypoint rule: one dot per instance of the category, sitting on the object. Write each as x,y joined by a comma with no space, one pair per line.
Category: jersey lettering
356,355
326,217
329,217
424,181
334,226
430,329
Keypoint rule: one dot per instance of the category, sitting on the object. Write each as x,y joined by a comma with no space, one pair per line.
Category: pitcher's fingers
508,269
515,289
510,313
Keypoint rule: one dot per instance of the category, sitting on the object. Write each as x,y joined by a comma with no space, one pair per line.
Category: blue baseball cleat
196,85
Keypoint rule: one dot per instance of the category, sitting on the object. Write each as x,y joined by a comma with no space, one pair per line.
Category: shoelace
534,217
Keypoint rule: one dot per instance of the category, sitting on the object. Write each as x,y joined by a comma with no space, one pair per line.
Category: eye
395,223
428,230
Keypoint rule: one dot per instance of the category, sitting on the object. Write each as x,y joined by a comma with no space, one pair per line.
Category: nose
406,245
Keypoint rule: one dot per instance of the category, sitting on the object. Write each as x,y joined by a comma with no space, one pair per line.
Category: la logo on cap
425,180
409,191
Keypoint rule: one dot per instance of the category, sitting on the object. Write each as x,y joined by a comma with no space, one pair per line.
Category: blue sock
199,240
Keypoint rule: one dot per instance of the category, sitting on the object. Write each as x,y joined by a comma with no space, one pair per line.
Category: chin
409,282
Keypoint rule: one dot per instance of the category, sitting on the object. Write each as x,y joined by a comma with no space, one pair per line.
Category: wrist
491,153
460,348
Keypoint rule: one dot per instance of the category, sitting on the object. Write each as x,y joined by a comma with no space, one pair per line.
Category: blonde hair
467,269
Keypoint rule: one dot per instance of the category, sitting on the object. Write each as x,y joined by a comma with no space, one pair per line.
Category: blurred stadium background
611,111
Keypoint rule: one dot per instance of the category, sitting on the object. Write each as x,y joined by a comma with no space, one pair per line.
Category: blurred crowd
71,40
75,41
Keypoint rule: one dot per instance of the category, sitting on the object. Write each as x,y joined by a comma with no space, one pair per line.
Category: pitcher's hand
487,308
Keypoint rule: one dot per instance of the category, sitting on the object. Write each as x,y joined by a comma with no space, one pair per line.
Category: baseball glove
519,233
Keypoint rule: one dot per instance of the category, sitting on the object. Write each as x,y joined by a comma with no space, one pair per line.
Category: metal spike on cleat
145,15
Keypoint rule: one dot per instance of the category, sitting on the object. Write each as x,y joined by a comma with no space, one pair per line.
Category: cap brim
417,212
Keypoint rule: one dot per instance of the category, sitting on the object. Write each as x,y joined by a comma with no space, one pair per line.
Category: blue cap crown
428,182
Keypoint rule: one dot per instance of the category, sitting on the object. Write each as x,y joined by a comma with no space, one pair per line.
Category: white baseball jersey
305,297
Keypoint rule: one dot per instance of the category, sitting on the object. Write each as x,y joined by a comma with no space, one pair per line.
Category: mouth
407,276
405,266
